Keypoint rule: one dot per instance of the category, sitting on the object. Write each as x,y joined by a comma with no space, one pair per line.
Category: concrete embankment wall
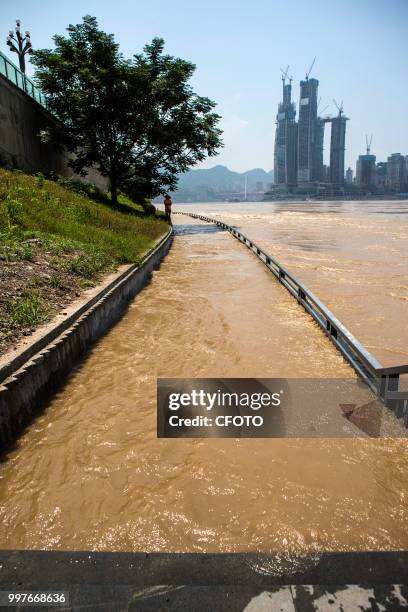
21,121
29,378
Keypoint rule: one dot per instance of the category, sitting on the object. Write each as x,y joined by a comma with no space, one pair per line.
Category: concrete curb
233,582
32,375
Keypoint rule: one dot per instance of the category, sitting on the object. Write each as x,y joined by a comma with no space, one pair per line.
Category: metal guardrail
383,381
18,78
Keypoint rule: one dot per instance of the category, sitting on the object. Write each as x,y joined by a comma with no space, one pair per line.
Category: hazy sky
361,48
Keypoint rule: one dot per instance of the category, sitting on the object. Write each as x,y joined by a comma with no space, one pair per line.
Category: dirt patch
33,290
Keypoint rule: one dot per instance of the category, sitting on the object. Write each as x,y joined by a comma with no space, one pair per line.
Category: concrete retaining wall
21,121
27,380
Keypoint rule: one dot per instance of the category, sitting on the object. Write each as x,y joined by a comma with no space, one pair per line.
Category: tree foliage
139,120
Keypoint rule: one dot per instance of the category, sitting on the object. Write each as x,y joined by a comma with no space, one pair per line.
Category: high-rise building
396,172
349,176
309,133
365,170
318,156
326,173
298,157
337,148
380,175
285,158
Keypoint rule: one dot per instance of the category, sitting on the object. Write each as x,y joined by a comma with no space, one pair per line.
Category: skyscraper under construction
337,148
310,134
298,158
285,158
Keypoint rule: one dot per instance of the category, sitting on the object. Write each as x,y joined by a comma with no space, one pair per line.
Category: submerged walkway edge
383,381
29,378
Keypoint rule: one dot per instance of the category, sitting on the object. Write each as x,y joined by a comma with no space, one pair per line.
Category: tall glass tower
309,134
337,149
285,157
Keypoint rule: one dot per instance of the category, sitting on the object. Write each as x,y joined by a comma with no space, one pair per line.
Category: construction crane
285,75
339,108
310,69
318,104
368,143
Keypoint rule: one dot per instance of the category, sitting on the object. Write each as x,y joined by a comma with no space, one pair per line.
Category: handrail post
331,330
390,382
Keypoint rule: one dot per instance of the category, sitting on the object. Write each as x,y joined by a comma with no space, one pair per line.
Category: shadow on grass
124,205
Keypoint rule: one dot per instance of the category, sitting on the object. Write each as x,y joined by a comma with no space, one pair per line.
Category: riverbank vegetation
138,121
58,239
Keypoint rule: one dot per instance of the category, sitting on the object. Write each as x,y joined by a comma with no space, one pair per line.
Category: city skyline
239,51
299,144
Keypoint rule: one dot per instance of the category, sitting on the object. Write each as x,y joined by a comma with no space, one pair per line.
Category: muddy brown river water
90,473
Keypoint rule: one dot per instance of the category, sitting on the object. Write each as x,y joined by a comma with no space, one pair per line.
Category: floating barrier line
383,381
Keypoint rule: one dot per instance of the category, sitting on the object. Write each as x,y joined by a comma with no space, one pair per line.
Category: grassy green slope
35,204
54,242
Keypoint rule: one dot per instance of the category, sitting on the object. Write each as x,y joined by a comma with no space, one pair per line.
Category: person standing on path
167,207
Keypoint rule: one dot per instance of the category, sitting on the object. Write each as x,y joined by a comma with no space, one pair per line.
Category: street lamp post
20,44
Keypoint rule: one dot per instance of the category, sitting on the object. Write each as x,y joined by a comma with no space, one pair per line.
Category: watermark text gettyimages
272,407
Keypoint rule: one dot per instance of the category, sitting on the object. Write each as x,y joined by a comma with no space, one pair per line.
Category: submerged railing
18,78
384,381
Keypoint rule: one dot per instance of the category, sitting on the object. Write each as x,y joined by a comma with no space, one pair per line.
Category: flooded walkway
91,474
352,255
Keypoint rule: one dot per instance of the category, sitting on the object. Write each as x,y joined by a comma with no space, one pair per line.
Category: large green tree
139,121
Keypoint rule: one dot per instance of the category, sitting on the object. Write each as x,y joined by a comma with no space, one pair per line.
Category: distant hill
208,185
